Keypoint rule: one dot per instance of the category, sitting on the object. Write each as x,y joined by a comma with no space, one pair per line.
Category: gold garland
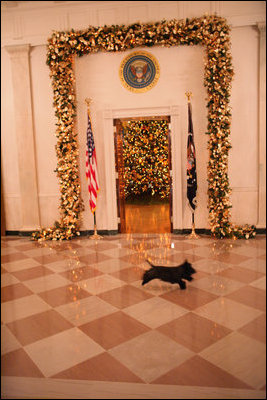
211,31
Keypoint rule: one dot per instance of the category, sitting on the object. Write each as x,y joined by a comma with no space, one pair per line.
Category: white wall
243,157
97,77
181,69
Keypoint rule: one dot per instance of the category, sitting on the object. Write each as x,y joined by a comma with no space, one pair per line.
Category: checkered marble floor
75,313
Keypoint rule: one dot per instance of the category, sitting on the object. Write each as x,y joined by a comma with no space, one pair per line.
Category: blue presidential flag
191,164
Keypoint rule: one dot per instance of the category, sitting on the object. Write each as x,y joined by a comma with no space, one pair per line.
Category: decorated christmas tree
145,154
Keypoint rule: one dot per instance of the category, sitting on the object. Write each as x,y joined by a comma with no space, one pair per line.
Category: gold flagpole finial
188,95
88,101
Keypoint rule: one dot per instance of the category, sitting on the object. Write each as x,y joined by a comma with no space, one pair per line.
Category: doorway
143,174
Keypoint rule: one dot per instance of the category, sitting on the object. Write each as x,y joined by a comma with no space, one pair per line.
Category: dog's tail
149,262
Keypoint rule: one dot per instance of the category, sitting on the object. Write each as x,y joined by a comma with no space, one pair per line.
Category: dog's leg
149,275
188,278
182,284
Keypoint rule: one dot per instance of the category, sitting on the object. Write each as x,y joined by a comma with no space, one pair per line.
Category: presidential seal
139,71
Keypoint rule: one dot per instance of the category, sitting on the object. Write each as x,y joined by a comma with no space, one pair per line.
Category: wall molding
20,26
177,188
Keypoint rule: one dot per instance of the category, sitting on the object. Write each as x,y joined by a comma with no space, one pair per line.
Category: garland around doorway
210,31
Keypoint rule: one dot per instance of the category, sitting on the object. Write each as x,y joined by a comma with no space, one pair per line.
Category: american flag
191,164
91,168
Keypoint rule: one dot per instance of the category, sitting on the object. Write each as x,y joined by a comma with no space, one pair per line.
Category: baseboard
188,231
261,231
105,232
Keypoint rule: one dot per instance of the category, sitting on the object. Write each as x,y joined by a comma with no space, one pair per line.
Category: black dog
170,274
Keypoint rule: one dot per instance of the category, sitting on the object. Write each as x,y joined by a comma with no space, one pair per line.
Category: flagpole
193,234
95,235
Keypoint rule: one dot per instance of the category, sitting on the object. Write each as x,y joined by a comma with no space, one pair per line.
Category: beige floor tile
202,251
38,326
194,332
208,375
228,313
77,252
32,273
14,240
249,251
8,340
231,258
155,312
124,296
8,250
13,257
210,266
259,283
165,260
8,279
102,367
151,355
217,285
47,282
19,265
113,265
118,252
183,246
23,307
80,273
39,252
64,265
13,292
255,264
160,254
61,351
190,298
244,275
250,296
128,275
85,310
180,257
135,259
256,329
18,363
114,329
102,245
155,287
94,258
46,259
241,356
101,284
203,240
64,294
30,245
